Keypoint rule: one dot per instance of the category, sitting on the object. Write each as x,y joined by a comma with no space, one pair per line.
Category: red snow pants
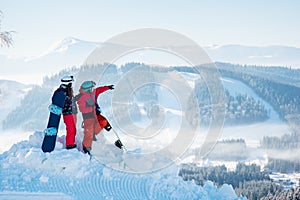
70,121
92,126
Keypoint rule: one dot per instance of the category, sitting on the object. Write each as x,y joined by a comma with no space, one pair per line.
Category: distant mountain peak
62,46
69,40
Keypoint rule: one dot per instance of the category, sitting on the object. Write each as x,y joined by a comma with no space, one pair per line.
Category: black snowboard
58,100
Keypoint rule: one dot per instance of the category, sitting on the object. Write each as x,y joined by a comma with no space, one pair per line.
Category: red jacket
87,102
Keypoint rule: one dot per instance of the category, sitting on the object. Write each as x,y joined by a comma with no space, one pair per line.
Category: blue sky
39,24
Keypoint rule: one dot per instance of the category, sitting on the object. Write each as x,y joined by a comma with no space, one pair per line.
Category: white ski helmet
67,79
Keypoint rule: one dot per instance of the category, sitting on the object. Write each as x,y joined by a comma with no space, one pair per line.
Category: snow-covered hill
255,132
252,133
28,173
11,94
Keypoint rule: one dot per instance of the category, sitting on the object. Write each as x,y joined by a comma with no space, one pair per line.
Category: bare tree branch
5,36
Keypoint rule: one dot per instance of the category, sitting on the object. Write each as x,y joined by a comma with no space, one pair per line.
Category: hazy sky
39,24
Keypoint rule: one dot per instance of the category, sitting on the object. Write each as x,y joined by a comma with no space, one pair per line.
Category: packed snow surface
28,173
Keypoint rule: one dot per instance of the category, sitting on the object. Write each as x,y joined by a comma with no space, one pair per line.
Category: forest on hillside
247,180
240,108
282,94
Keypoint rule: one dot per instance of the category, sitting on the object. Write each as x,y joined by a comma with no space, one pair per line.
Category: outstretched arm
102,89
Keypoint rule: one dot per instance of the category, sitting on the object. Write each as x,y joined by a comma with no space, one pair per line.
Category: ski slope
28,173
252,133
236,87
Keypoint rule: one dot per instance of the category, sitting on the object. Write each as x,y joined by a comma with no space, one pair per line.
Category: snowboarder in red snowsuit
69,111
93,121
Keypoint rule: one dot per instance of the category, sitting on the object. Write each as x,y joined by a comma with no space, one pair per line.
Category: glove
111,87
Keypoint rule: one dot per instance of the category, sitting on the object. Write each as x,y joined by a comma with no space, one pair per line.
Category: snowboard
58,100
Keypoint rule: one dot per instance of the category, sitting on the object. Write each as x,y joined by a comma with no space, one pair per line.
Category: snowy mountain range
251,55
63,54
68,46
71,51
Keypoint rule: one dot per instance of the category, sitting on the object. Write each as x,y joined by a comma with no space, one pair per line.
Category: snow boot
72,146
87,150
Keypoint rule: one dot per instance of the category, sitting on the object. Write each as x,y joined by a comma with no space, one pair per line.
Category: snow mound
27,172
29,155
